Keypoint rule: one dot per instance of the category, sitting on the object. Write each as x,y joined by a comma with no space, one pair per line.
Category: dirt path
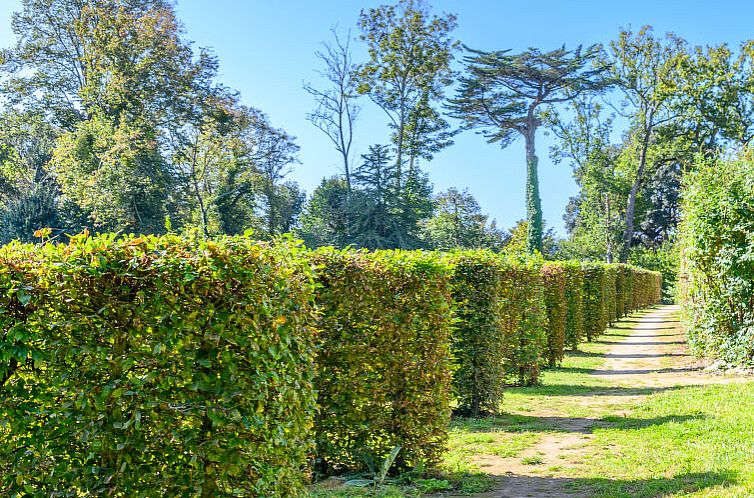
653,357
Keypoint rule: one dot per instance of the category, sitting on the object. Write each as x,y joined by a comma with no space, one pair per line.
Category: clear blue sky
267,48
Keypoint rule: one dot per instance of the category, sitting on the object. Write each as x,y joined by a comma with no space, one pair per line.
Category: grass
677,442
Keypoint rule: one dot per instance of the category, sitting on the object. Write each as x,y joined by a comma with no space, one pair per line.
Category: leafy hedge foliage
384,364
554,279
574,296
595,312
478,286
717,277
146,366
155,366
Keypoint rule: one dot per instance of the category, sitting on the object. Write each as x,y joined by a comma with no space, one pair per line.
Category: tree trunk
533,201
631,206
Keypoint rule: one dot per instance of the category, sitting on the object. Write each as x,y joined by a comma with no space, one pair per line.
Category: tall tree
337,110
410,51
646,70
503,95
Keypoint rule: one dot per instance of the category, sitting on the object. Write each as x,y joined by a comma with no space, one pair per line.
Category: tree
410,52
337,110
458,223
504,95
328,218
646,71
594,218
516,240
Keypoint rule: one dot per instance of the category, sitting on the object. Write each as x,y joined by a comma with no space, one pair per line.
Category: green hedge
595,311
155,366
384,364
574,296
555,279
717,277
478,286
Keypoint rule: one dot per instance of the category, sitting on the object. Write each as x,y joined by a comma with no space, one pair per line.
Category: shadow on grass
590,390
580,425
643,343
602,487
638,371
586,354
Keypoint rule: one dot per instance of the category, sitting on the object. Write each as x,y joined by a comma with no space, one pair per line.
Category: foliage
554,277
458,223
595,316
478,287
155,366
410,51
574,296
383,371
503,95
717,290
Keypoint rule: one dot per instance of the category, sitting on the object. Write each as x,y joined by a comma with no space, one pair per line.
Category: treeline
717,268
111,120
149,366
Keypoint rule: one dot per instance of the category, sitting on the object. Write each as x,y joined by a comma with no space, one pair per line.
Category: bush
554,281
478,286
574,295
147,366
595,313
384,364
717,281
524,318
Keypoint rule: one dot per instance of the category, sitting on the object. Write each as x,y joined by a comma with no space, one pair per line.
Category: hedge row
147,366
514,316
717,268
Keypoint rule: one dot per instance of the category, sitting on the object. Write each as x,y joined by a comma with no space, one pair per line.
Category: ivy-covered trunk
533,201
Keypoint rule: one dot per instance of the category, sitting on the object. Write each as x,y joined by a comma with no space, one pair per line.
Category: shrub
384,364
146,366
595,313
574,295
525,319
554,281
478,286
609,294
717,282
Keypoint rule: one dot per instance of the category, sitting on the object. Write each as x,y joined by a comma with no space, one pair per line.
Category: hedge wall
384,364
555,279
147,366
717,277
478,286
155,366
574,296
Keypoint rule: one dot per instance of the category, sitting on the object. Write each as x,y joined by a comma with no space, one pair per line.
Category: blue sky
266,49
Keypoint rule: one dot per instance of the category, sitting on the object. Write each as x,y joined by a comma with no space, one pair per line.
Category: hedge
574,296
595,312
478,287
555,280
384,364
717,277
147,366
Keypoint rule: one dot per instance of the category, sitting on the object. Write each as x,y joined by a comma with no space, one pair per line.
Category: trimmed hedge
478,286
554,277
384,365
141,366
155,366
717,277
575,332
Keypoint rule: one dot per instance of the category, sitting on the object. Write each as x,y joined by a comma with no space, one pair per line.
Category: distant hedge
154,366
384,364
717,262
